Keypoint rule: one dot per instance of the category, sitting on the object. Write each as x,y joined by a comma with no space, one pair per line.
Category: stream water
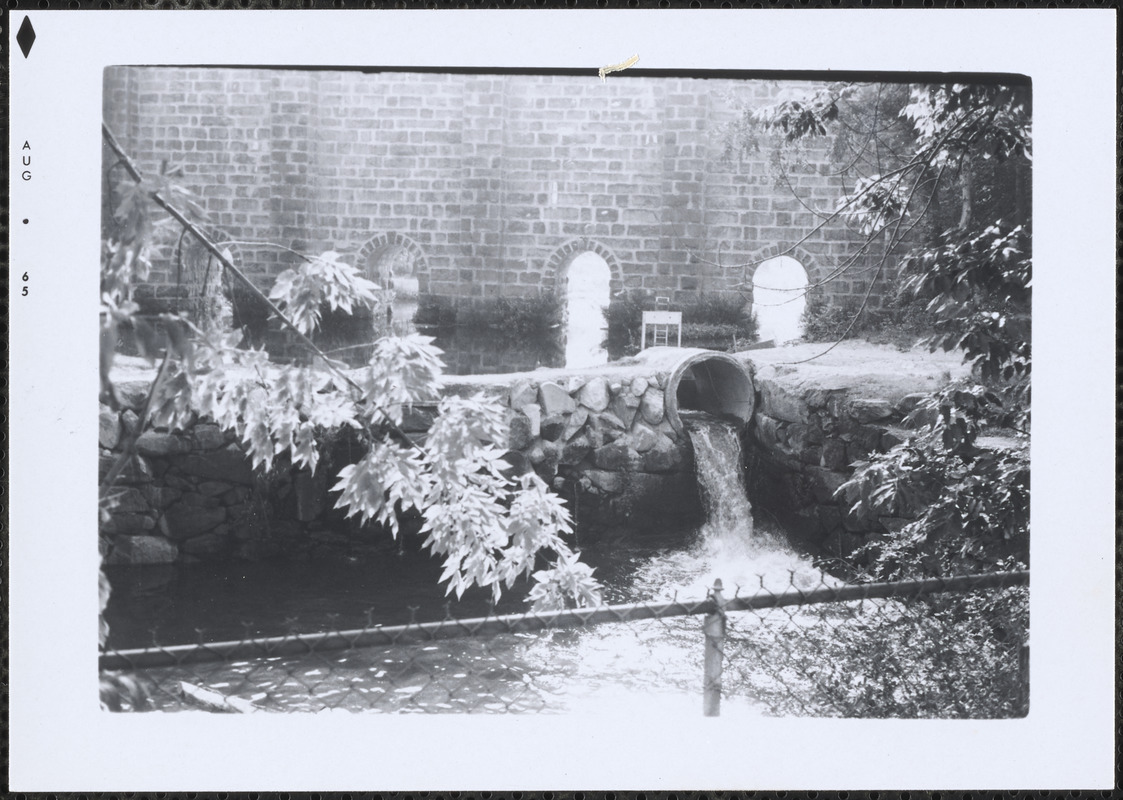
617,667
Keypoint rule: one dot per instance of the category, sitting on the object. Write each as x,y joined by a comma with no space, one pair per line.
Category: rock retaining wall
816,418
602,441
804,448
605,443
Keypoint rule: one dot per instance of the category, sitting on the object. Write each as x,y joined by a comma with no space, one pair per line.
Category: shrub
901,324
507,317
709,319
435,313
951,656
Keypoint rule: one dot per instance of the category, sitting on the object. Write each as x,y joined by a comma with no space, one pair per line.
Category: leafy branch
489,527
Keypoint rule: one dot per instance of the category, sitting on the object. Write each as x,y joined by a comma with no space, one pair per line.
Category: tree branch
233,270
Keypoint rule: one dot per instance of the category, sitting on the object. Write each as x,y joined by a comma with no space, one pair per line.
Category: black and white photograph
626,394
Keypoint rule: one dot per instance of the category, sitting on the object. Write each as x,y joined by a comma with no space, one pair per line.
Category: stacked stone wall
603,442
806,444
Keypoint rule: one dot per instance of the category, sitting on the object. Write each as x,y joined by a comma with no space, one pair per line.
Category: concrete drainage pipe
703,380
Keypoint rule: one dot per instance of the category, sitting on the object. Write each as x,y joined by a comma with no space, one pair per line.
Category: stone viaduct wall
491,183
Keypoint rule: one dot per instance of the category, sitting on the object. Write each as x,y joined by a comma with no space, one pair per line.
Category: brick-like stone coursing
497,180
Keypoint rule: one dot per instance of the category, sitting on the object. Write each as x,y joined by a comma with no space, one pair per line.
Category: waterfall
728,545
721,481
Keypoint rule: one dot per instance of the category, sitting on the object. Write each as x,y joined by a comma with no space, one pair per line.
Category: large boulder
520,433
824,483
767,431
555,400
864,410
152,443
142,550
160,497
208,436
182,521
574,451
624,408
782,404
132,394
574,424
129,500
617,456
553,426
651,406
664,456
605,481
128,524
136,471
108,428
533,412
523,393
130,421
227,464
594,394
642,437
834,454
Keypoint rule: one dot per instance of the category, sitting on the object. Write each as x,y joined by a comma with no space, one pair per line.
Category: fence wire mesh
940,648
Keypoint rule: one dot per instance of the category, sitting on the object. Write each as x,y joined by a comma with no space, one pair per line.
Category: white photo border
59,738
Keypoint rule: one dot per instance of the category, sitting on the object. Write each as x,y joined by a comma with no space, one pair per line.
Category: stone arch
584,326
810,262
394,261
384,242
205,289
789,274
562,257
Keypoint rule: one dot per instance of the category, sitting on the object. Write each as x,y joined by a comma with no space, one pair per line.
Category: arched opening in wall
779,299
588,280
394,267
202,283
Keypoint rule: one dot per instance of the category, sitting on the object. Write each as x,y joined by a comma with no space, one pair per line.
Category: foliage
708,316
435,312
951,656
514,318
968,504
824,321
940,176
489,528
302,292
902,325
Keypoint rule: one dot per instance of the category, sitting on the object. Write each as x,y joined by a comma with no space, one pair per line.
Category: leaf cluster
490,527
951,196
324,280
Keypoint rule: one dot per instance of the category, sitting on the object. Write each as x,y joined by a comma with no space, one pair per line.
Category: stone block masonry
493,183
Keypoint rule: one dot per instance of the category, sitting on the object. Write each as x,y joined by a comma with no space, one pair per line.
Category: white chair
661,324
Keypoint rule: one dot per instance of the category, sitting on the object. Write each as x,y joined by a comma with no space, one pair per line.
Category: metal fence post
1023,683
713,626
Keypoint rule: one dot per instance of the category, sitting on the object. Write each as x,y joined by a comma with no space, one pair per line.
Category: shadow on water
625,668
176,604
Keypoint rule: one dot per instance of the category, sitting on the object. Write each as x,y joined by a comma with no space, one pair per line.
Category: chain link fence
943,648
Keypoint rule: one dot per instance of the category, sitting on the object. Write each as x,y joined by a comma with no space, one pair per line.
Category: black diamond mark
26,36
